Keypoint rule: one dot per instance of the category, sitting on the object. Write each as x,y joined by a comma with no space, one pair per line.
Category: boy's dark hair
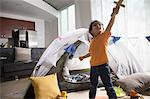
90,27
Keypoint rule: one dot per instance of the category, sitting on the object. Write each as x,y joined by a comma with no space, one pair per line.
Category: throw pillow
46,87
138,81
22,54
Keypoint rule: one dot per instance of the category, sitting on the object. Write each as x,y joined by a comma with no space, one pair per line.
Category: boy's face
96,28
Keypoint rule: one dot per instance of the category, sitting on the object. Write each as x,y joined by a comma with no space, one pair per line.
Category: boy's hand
81,58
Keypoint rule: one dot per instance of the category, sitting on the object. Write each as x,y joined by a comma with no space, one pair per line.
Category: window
67,19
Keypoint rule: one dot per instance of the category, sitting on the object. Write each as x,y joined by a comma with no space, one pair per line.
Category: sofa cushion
22,54
36,53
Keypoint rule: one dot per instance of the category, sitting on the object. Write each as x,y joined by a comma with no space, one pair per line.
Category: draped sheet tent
130,54
127,55
56,50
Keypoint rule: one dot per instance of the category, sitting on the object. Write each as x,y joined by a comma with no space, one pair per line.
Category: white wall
51,31
83,13
39,26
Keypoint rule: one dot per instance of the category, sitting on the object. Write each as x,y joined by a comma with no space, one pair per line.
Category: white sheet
56,50
123,57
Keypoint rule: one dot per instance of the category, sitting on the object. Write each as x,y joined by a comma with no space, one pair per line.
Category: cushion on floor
46,87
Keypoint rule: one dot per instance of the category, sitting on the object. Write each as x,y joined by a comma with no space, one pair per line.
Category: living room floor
101,94
15,89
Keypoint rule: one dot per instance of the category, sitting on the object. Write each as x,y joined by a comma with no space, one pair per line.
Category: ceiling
23,8
59,4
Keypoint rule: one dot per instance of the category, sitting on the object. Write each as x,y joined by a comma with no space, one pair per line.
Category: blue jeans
104,72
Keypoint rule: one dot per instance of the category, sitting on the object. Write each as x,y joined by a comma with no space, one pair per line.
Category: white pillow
22,54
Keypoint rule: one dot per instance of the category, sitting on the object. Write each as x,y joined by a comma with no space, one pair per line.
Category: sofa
18,62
